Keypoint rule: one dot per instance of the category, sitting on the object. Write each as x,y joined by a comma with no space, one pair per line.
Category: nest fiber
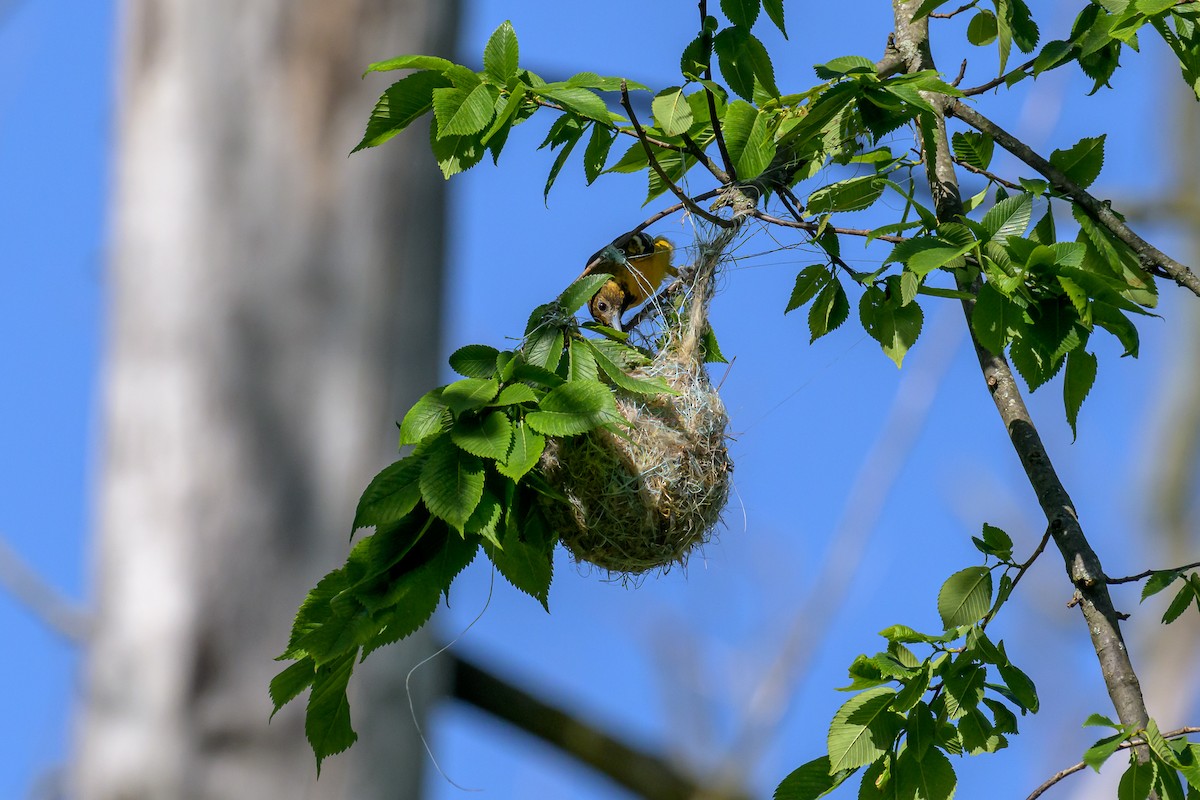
644,498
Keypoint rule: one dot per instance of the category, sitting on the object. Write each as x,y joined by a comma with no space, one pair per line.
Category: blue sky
670,662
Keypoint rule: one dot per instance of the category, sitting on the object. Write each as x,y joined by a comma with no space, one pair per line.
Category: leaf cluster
471,481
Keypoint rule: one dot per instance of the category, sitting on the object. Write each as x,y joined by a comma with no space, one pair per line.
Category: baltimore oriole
638,263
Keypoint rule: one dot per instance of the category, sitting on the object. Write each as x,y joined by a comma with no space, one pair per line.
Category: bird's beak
616,323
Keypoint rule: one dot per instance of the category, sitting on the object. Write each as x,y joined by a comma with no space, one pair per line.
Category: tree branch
1082,564
1071,770
50,606
688,203
991,176
1149,572
992,84
706,46
642,773
1150,256
812,227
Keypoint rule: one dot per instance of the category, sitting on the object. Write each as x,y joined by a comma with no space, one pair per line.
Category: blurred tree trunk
273,308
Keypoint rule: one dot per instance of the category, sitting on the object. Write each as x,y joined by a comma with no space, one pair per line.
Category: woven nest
645,498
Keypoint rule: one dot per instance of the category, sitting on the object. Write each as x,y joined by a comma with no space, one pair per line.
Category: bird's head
608,304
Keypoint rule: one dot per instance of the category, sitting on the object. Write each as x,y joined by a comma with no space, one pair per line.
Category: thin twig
1150,256
1149,572
698,153
50,606
1071,770
688,203
656,142
706,46
955,12
1021,570
812,227
962,73
989,175
992,84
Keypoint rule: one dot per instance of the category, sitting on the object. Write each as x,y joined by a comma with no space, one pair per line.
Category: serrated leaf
289,683
930,777
513,394
1022,688
810,281
973,149
741,12
469,394
451,482
622,379
583,102
965,596
501,54
391,495
964,689
1098,753
327,720
411,62
1009,217
896,327
1179,604
829,310
575,296
671,111
573,408
853,194
1137,781
774,9
863,729
429,415
1159,581
455,154
1080,375
526,562
488,436
404,102
595,155
474,361
1082,161
462,111
527,447
810,781
744,61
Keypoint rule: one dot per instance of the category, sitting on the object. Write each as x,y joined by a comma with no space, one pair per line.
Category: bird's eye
602,306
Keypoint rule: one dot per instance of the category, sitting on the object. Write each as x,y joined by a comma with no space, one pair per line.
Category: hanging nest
644,498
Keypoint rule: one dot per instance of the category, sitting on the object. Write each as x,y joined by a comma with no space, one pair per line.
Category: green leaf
630,383
595,155
514,394
921,729
451,482
979,735
526,562
1100,721
583,364
327,721
810,781
1080,375
543,347
566,134
583,102
741,12
411,62
1179,604
488,436
428,416
404,102
930,777
853,194
1009,217
1022,688
829,310
1138,780
573,408
965,597
810,281
895,326
1159,581
462,112
391,495
1083,161
455,154
469,394
981,30
581,291
527,447
964,687
501,54
293,680
1097,754
844,65
863,729
744,62
474,361
974,149
1054,54
671,111
774,9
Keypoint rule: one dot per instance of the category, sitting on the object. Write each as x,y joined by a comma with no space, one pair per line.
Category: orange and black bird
638,263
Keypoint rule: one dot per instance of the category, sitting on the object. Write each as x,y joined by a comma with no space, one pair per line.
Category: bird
638,264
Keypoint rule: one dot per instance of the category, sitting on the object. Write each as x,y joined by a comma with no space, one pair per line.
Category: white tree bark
273,308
